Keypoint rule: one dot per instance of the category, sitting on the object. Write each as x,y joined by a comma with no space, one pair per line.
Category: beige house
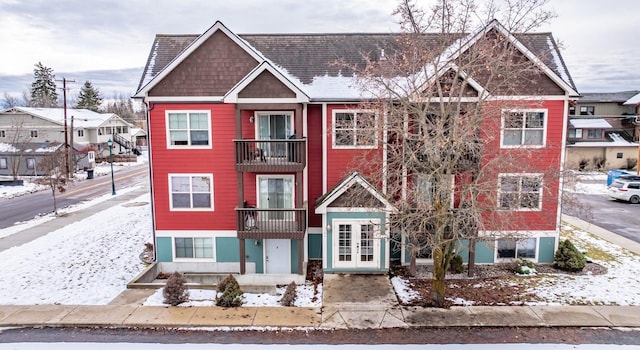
602,132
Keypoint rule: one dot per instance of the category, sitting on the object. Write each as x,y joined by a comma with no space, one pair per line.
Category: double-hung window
191,192
188,129
31,163
3,134
354,129
523,128
33,133
520,191
575,133
194,247
3,163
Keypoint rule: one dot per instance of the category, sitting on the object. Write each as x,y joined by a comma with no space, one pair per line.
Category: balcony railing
273,223
271,155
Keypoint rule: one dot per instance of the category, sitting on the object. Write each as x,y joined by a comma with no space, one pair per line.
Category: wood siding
314,161
266,85
219,161
211,70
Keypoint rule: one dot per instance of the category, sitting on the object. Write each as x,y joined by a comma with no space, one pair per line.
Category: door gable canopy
344,191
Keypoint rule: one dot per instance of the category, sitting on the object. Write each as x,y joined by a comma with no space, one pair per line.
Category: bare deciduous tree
439,124
52,168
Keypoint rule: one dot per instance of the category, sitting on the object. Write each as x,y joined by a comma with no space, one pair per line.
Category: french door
355,245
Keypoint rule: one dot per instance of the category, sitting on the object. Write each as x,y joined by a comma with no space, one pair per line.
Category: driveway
621,218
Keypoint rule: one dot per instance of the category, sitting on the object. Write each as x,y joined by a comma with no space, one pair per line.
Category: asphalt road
621,218
28,206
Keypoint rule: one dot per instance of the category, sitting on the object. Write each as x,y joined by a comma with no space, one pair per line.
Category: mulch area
492,284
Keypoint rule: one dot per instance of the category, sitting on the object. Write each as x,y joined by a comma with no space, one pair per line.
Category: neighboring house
23,159
85,129
602,131
247,175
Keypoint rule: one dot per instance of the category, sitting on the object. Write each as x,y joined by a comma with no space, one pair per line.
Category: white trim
232,95
495,234
276,176
385,168
314,230
377,237
218,26
527,97
194,259
355,113
563,150
305,171
324,148
545,121
354,210
540,176
256,122
190,175
497,259
188,146
212,99
342,187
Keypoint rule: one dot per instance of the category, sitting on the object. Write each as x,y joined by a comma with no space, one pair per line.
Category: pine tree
43,89
89,97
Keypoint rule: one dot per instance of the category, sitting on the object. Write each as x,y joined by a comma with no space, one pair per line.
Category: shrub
631,163
456,265
568,258
582,164
524,267
290,295
175,292
599,162
231,294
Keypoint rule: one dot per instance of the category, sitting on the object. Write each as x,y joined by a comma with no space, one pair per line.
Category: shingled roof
309,56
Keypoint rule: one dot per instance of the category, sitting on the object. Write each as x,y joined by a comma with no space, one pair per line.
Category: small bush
456,265
290,295
568,258
524,267
582,164
231,294
631,163
599,162
175,292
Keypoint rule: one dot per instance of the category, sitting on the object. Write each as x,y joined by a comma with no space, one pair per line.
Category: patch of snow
206,297
87,262
403,289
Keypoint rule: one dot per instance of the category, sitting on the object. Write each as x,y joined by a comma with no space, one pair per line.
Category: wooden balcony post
243,257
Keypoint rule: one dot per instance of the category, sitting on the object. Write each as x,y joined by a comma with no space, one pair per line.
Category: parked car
626,190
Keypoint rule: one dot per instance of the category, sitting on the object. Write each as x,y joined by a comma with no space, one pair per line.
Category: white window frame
31,163
193,236
188,145
33,133
577,133
3,163
519,192
283,176
190,175
355,113
524,128
517,240
80,132
3,134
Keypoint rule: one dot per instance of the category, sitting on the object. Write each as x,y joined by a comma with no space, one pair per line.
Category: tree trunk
471,268
438,278
412,263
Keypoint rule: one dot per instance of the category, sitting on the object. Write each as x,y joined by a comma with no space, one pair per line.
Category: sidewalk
463,316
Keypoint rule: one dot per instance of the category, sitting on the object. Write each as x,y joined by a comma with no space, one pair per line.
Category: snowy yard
91,261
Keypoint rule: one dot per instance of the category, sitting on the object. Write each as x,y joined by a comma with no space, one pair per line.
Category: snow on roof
634,100
616,141
82,118
560,67
590,123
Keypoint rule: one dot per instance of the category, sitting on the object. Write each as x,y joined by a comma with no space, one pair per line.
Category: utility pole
66,132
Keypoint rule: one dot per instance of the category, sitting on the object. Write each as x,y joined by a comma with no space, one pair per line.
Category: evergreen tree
89,97
43,88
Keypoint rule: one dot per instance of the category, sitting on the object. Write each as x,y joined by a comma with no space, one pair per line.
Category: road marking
103,182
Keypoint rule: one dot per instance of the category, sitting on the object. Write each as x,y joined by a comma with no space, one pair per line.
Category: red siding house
249,176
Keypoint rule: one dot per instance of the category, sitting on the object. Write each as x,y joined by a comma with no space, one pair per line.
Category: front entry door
277,256
355,245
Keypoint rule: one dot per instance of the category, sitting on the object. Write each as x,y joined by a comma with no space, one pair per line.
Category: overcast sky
108,42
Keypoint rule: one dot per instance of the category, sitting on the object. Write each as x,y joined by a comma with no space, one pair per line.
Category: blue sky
107,42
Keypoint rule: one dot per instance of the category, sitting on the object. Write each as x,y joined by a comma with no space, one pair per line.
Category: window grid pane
523,128
188,129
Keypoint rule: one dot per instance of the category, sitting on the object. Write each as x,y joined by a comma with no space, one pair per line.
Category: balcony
274,156
276,223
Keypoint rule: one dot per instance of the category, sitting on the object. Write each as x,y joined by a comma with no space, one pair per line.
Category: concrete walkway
373,317
609,236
